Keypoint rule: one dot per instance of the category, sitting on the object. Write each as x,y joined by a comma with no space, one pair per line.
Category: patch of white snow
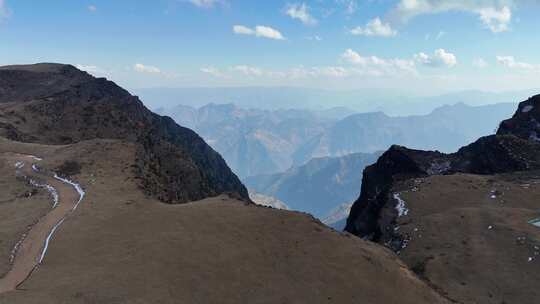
401,206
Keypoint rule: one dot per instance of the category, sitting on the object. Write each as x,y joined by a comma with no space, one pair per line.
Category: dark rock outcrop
515,147
58,104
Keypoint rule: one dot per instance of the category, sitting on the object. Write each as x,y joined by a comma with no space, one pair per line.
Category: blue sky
425,46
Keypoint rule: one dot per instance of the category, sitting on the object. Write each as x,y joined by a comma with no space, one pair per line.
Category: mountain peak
526,121
59,104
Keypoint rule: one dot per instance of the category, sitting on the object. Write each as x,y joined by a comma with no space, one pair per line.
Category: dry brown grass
123,247
473,247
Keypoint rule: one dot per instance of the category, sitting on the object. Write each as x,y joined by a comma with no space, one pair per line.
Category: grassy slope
122,247
454,247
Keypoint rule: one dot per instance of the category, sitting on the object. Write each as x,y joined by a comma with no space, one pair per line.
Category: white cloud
259,31
440,58
379,66
248,70
480,63
92,8
510,62
314,38
243,30
496,15
141,68
375,27
206,3
300,12
90,68
213,71
440,35
497,20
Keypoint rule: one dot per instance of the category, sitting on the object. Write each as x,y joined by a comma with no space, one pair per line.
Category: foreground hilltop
121,246
462,221
59,104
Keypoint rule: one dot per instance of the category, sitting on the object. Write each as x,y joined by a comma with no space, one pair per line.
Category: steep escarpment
58,104
512,149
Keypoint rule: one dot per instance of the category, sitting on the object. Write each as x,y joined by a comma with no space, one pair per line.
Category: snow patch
401,206
49,188
81,192
535,222
19,165
48,239
54,193
77,187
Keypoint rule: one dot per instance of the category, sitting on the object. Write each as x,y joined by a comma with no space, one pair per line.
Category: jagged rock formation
515,147
59,104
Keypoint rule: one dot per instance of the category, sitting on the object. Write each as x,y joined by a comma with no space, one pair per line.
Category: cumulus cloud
141,68
497,20
511,62
480,63
243,30
206,3
92,8
375,27
496,15
258,31
440,58
379,66
300,12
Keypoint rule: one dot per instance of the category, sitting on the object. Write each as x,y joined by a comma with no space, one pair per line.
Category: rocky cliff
515,147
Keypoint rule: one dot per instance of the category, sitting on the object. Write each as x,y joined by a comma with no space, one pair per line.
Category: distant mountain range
317,187
391,102
446,129
252,141
256,141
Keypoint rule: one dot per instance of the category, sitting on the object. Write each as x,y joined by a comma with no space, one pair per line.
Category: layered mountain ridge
319,186
256,142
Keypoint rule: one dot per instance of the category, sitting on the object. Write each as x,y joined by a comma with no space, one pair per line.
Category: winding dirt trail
31,250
